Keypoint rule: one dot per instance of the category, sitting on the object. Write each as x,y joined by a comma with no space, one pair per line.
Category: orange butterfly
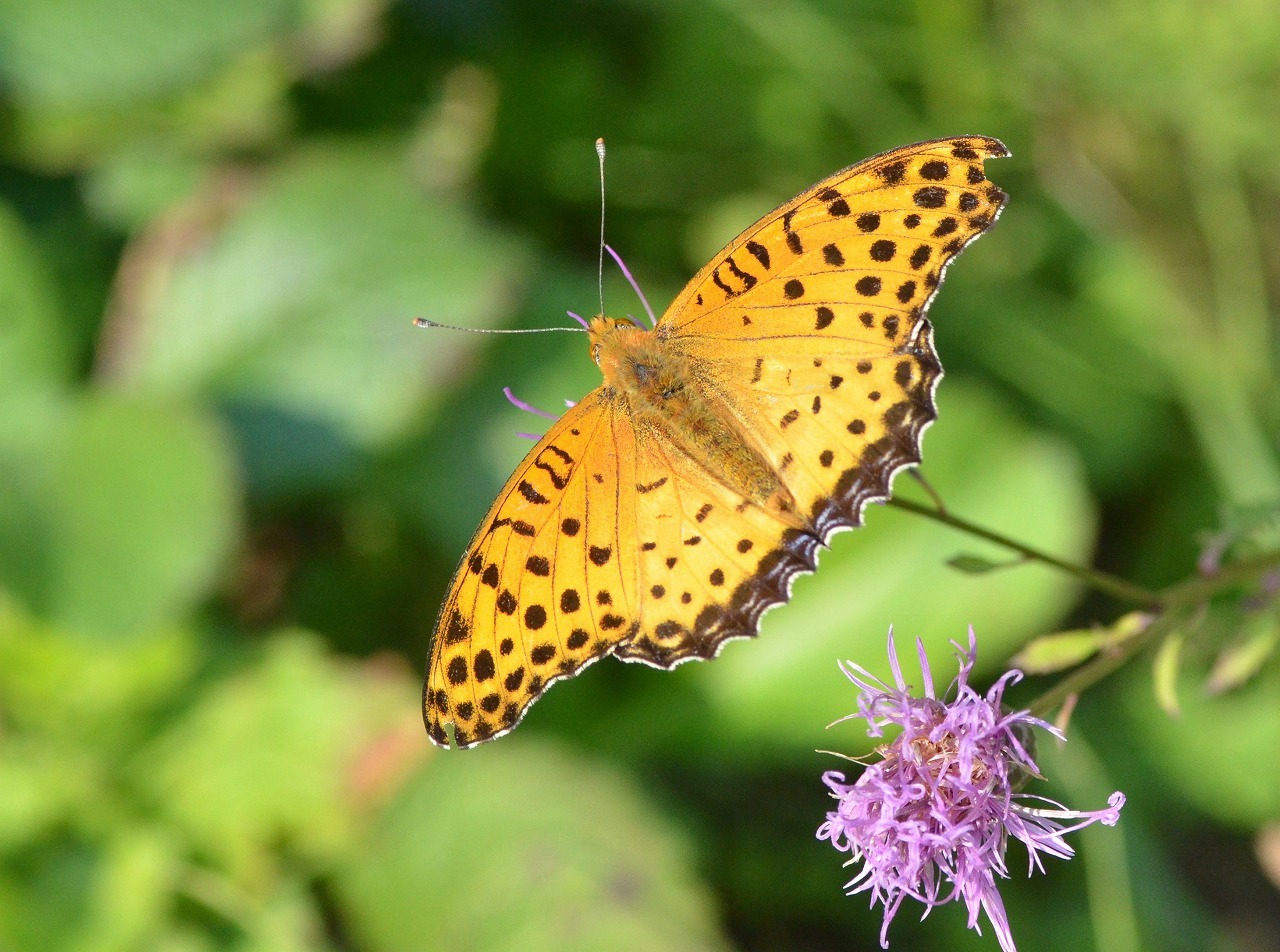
779,394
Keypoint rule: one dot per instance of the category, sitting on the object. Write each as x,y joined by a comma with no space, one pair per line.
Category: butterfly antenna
635,287
423,322
600,265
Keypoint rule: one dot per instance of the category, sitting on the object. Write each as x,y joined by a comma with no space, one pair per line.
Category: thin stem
1200,588
1101,581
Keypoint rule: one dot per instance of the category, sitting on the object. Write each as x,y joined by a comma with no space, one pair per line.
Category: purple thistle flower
932,819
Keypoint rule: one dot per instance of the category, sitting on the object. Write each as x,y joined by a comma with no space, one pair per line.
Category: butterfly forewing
874,237
543,589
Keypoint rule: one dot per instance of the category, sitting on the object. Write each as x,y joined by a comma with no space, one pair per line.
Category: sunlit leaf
95,694
1241,660
1066,649
1058,652
140,513
294,308
524,847
73,53
276,754
1166,668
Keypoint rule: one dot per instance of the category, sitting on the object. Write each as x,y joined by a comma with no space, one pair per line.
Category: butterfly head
606,333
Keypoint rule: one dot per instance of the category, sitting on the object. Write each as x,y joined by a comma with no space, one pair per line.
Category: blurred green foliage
234,480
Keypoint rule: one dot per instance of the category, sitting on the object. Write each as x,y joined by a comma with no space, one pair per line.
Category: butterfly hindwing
835,422
710,563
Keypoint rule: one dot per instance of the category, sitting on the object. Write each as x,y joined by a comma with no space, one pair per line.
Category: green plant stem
1199,588
1101,581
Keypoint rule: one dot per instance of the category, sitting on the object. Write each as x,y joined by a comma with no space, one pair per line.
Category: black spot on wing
893,173
556,479
748,280
934,170
931,196
457,630
883,250
789,234
527,490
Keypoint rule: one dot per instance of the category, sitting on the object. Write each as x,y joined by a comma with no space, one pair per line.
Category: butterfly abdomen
664,393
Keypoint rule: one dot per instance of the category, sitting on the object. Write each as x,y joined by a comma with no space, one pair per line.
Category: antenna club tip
600,147
421,322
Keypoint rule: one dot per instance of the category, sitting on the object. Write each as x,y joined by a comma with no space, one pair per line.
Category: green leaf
92,693
1066,649
523,847
1051,653
34,352
1166,667
45,907
1229,739
1243,658
974,565
42,785
271,754
67,54
297,308
133,888
137,513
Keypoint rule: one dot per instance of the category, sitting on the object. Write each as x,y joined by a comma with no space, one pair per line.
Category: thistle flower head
932,819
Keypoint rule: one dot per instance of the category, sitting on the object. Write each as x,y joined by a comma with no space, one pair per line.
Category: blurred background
234,480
